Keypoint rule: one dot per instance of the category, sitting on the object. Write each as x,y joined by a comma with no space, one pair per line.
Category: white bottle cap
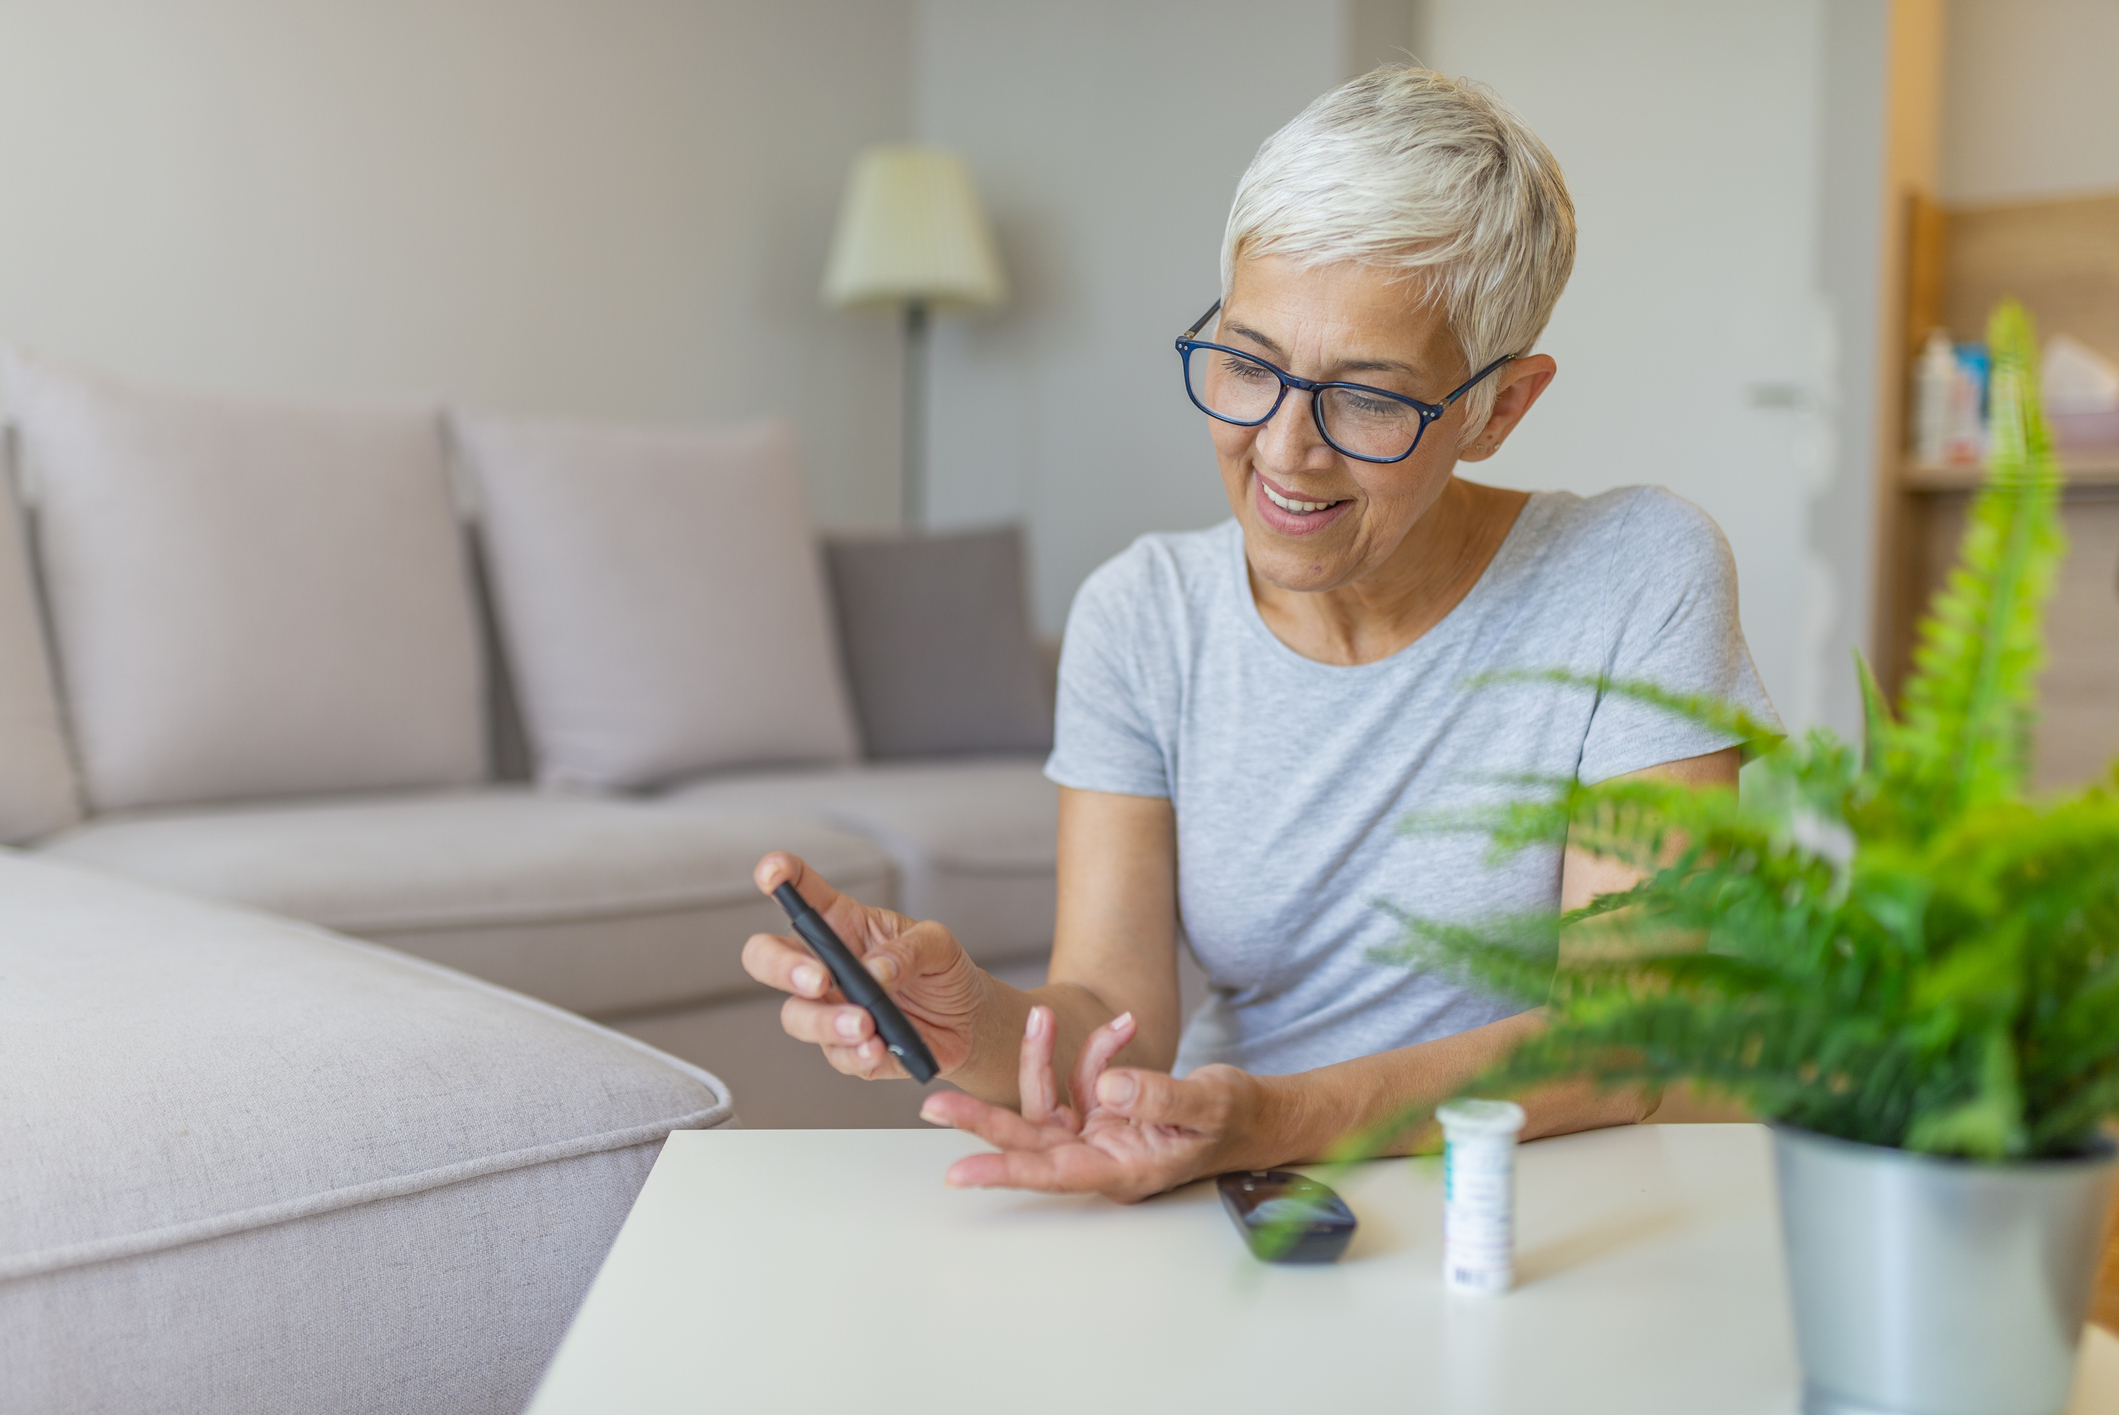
1472,1120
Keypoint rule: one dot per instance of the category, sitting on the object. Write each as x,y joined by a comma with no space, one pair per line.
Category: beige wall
2030,99
1721,286
608,208
1107,136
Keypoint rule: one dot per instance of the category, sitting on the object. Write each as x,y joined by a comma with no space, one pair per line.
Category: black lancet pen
859,985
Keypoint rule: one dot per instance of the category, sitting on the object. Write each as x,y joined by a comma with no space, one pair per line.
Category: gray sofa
251,1166
410,677
521,703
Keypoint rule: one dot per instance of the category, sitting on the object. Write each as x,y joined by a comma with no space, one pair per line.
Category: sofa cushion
660,597
254,1167
939,654
597,905
38,792
250,599
974,840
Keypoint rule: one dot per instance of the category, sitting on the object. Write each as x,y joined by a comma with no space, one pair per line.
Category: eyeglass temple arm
1201,322
1470,383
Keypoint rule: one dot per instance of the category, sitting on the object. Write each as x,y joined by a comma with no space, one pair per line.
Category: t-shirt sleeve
1670,594
1103,738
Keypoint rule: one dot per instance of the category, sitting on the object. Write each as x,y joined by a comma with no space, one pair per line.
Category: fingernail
809,978
849,1024
1123,1022
1035,1027
928,1114
1117,1090
884,969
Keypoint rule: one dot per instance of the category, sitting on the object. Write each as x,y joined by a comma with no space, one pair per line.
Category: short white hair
1405,169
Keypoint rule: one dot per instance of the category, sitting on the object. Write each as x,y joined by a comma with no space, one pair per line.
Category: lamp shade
911,229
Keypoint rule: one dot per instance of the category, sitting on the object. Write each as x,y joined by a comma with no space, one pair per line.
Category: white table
831,1270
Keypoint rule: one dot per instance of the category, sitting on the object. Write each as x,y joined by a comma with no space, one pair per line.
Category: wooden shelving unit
2061,259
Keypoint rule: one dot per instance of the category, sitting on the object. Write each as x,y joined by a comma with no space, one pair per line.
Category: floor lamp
912,237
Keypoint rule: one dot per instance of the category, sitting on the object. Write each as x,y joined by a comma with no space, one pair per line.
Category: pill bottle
1479,1194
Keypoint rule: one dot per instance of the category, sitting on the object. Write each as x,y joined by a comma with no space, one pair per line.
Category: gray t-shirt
1290,776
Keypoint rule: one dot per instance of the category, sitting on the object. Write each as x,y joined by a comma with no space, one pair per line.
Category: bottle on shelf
1934,386
1966,442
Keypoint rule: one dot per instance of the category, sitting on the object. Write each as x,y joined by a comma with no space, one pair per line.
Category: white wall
2030,99
1691,138
597,207
1855,225
1107,138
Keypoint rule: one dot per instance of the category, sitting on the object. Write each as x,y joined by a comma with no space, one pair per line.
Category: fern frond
1875,714
1987,1125
1706,711
1966,707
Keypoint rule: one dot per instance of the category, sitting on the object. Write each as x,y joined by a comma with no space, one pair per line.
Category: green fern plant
1891,945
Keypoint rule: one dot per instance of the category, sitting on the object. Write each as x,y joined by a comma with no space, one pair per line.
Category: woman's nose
1289,441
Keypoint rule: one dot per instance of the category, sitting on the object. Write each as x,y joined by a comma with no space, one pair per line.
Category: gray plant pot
1926,1286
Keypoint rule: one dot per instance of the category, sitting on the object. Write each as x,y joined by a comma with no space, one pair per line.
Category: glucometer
1286,1217
859,985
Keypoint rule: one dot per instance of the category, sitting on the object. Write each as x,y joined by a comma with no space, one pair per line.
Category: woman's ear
1518,384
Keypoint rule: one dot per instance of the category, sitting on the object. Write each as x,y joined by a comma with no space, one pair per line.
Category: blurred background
623,209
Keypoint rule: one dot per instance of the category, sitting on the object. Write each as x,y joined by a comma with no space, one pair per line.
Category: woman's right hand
921,965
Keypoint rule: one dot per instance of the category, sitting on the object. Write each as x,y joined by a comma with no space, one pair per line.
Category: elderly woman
1246,713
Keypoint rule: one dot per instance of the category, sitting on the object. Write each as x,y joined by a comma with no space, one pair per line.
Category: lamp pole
914,482
911,236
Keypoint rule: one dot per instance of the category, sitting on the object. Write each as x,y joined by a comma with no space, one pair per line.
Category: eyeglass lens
1242,389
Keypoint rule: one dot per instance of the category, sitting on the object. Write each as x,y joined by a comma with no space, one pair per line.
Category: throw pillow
249,598
938,646
660,599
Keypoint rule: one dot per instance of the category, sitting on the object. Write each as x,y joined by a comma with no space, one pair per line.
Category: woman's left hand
1146,1131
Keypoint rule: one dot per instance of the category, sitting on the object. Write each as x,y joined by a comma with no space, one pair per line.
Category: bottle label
1478,1213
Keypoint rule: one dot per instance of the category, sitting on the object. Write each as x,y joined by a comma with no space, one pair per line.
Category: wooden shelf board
2084,467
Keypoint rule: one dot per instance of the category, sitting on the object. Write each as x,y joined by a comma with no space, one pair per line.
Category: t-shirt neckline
1450,626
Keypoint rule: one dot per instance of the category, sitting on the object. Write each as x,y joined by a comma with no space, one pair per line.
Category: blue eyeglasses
1367,424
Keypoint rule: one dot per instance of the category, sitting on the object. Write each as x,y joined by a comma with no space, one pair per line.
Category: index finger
1036,1089
781,962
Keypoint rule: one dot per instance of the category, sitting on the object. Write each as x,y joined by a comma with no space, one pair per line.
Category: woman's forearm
1377,1101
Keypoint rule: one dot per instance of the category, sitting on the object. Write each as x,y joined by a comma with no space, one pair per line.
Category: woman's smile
1294,515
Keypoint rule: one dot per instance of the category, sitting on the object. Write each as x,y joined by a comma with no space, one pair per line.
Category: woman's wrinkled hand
921,965
1145,1131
